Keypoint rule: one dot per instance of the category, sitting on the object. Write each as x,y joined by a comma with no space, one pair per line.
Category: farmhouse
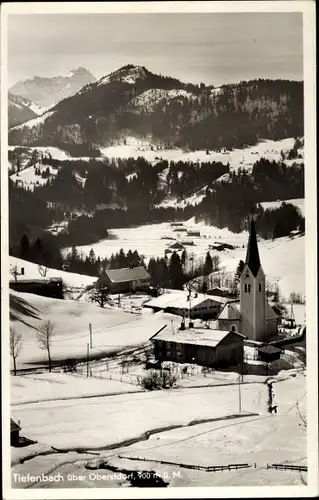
193,232
182,304
252,315
201,346
220,247
47,287
127,279
176,246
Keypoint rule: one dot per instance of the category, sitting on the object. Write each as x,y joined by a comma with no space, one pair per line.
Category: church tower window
249,288
245,287
260,287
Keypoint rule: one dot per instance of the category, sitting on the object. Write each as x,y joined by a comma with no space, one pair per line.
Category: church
252,315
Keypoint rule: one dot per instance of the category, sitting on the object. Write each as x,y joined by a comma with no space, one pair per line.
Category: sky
214,48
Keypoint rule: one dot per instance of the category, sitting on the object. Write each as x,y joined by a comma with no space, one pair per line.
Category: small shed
14,432
268,353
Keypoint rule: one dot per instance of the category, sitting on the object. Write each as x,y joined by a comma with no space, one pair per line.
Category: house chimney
191,324
182,327
22,271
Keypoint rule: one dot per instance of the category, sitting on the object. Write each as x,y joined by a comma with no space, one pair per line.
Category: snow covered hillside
237,158
113,329
31,271
283,259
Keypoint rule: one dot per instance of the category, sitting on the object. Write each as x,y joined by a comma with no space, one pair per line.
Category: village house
252,316
128,279
200,346
193,232
182,303
46,287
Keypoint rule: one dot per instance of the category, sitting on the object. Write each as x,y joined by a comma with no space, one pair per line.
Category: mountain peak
126,74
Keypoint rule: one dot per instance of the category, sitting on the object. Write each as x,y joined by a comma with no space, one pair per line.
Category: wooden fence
209,468
300,468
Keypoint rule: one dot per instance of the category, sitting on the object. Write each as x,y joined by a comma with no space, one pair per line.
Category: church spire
252,256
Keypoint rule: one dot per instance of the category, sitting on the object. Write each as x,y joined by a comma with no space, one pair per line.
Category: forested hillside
135,101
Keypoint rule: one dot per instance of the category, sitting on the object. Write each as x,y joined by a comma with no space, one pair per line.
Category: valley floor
199,426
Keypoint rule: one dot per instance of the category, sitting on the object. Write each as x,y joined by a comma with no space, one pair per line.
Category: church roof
252,256
230,311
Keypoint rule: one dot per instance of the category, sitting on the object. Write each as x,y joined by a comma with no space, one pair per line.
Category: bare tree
44,337
100,295
14,271
43,271
15,346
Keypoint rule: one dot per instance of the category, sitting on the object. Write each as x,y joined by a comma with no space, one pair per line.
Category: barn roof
180,301
127,274
269,349
196,336
230,311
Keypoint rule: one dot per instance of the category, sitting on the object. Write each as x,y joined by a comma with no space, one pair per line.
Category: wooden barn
47,287
124,280
201,346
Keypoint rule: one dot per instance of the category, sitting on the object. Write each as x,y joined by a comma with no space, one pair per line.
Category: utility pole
87,359
90,328
239,393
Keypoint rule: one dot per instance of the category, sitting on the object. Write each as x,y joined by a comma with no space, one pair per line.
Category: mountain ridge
135,101
46,91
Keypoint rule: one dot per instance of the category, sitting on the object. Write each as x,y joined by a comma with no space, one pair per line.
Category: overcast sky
212,48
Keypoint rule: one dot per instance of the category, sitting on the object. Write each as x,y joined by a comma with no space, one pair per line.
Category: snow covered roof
180,301
268,349
270,312
127,274
200,336
230,311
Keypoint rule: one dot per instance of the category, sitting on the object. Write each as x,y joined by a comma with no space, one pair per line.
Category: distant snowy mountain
133,101
47,92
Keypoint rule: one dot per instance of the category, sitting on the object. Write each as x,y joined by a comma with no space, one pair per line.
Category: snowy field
113,330
283,259
299,203
61,386
244,158
158,429
132,147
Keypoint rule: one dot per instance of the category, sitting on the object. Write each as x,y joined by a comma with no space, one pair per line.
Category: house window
260,287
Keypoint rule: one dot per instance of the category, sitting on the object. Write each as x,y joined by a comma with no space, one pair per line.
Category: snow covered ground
238,158
155,426
28,179
60,386
297,202
283,259
35,121
31,271
113,329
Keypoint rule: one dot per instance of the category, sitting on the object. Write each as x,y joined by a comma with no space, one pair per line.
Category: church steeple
252,256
